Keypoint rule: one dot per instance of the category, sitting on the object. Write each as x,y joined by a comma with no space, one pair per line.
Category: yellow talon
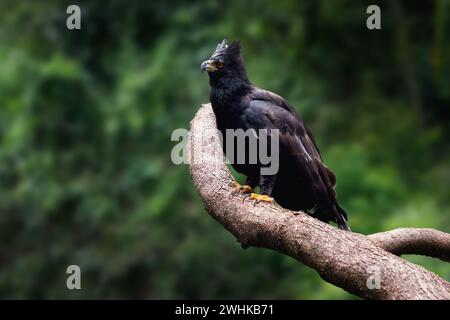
261,197
237,188
246,189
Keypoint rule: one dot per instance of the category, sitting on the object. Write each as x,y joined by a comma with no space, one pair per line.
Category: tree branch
348,260
427,242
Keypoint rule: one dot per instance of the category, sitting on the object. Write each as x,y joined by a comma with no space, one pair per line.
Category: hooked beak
208,66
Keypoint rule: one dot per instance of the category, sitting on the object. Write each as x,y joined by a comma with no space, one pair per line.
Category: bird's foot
237,188
261,198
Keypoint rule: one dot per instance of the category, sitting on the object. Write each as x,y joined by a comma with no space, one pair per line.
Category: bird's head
225,62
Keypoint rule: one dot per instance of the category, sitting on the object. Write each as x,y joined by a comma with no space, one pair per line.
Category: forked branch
367,266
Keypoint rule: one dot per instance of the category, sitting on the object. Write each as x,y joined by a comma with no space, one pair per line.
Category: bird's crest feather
224,49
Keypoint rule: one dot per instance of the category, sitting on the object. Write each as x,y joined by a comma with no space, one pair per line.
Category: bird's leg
266,184
250,184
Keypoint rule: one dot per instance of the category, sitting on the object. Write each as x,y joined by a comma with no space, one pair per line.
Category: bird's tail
341,218
323,185
336,214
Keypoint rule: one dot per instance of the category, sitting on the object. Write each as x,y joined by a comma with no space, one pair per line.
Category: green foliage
86,118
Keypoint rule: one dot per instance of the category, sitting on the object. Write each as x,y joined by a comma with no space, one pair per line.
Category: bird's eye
219,64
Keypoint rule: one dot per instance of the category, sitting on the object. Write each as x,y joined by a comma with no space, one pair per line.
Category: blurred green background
86,118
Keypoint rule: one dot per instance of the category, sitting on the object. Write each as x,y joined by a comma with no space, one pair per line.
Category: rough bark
345,259
427,242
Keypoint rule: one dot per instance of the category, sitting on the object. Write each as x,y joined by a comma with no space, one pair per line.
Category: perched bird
302,182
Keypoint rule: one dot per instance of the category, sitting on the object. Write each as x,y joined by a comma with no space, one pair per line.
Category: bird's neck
225,90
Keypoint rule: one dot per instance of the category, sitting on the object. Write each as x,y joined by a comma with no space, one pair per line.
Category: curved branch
427,242
348,260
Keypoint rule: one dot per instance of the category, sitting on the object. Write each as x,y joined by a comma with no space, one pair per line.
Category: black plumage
303,182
